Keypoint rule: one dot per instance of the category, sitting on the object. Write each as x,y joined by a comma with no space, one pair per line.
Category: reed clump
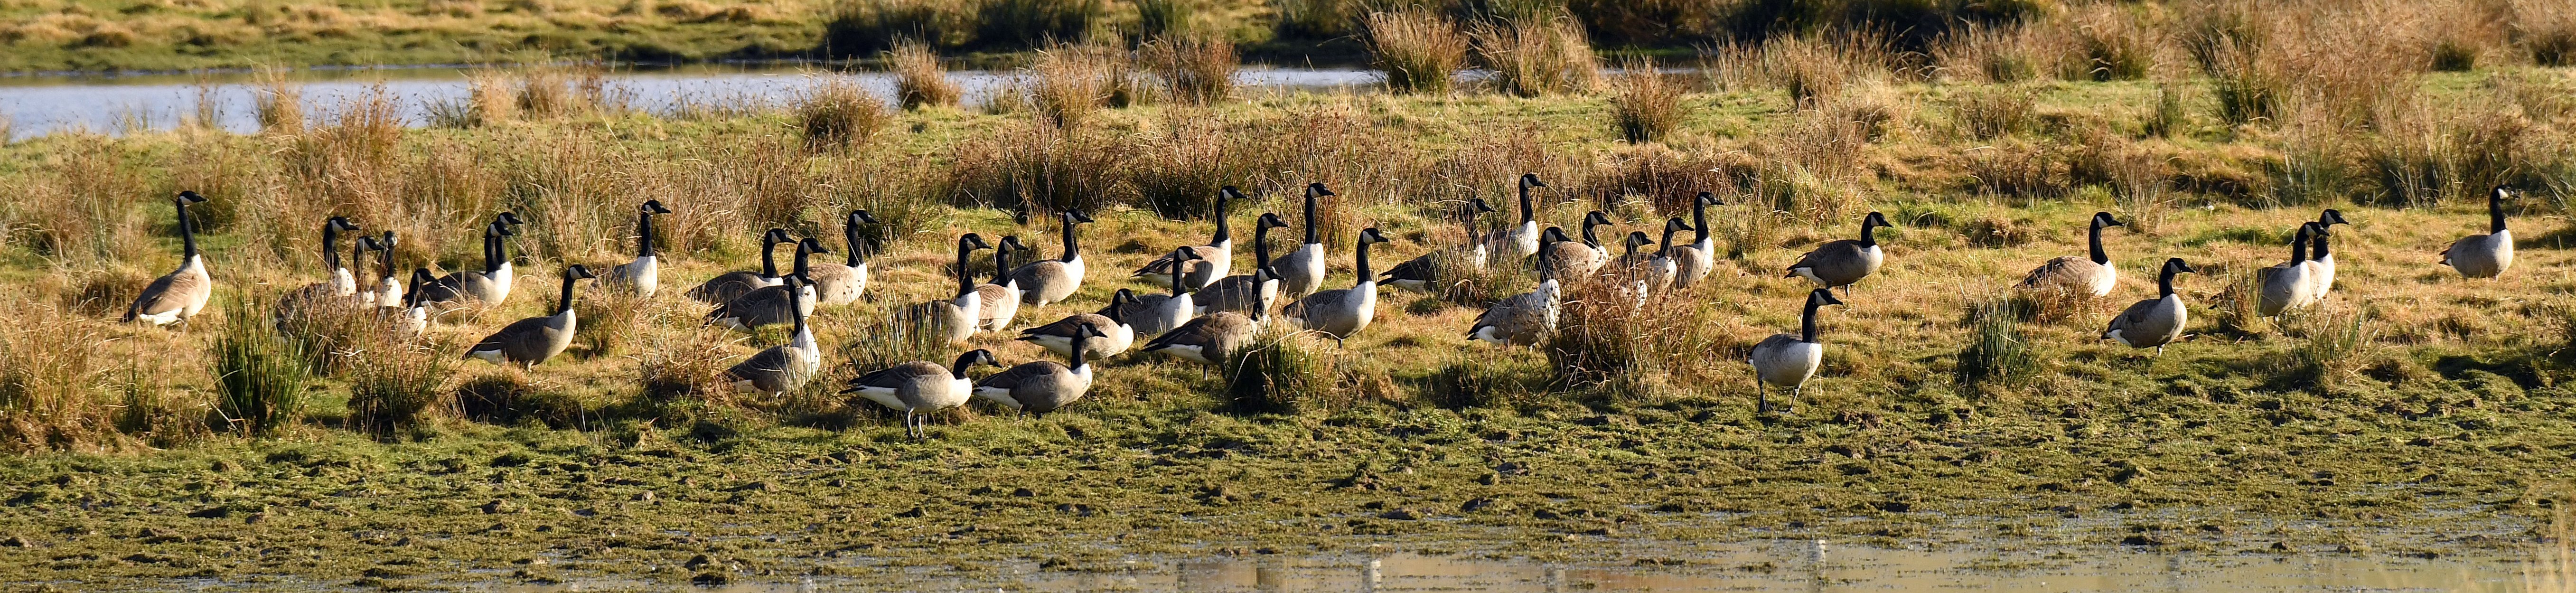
919,79
1283,372
1645,105
260,378
398,385
1195,69
1418,50
279,102
1530,57
836,115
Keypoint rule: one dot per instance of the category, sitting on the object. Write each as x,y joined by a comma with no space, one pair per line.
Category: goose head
773,237
1477,206
577,272
1270,220
385,242
971,242
1707,199
1530,180
508,218
1077,217
1553,235
2174,265
652,207
859,217
1089,330
812,246
1874,220
1821,297
1676,224
1370,235
1228,193
1635,240
2104,219
340,223
1316,190
2331,217
191,197
972,358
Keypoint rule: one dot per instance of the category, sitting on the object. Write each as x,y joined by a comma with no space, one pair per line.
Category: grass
259,376
1418,50
919,79
1530,57
836,115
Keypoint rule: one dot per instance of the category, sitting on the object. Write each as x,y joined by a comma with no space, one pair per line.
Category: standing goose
533,340
1001,296
2092,275
1043,386
1046,282
2484,256
1302,270
784,367
1527,318
1245,293
841,284
954,317
1422,271
178,295
2152,323
725,287
2289,285
1116,334
1340,313
1156,313
503,272
644,275
1585,258
389,290
1788,360
1215,258
1523,239
1694,261
1844,261
772,305
342,283
2324,261
920,387
483,286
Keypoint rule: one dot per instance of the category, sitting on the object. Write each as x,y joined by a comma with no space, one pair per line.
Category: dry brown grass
919,79
1197,70
1992,54
1068,82
280,102
1645,104
837,115
1417,49
1530,57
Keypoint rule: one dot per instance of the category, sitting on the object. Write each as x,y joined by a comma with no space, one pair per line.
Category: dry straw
1418,50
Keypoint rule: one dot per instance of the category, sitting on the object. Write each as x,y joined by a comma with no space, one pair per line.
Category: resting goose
2092,275
1787,360
644,275
1630,268
1340,313
1522,240
2152,323
954,317
773,305
1215,258
1036,388
1694,261
1245,293
531,341
1420,272
842,283
1524,319
2324,261
725,287
1554,243
1209,340
2288,285
1651,270
1116,334
389,290
1156,313
1046,282
342,283
2484,256
503,272
415,312
1585,258
483,286
920,387
331,291
784,367
178,295
1001,296
1301,271
1845,261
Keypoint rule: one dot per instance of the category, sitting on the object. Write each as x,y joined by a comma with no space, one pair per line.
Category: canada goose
1156,313
725,287
1301,271
389,290
1209,340
331,291
1631,269
504,273
2318,250
178,295
1045,282
483,286
414,312
1651,270
1527,318
1587,257
365,295
1116,334
1694,261
919,387
2093,275
342,283
1788,360
784,367
1245,293
2152,323
1554,243
955,317
1044,386
1001,296
1845,261
771,305
2288,285
2484,256
1215,258
644,275
1522,240
842,283
2324,261
1340,313
533,340
1420,272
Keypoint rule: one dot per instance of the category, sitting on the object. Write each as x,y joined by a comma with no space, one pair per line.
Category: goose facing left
178,295
920,387
528,342
2092,274
644,275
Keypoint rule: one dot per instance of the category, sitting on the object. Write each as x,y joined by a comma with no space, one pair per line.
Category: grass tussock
1418,50
1037,167
260,377
1068,82
837,115
2331,345
1998,355
1645,105
48,386
920,81
279,102
1198,70
2107,43
1283,372
397,386
1992,54
1531,57
1987,114
2546,31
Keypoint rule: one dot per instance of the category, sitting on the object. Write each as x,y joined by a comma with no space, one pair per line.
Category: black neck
1699,220
1081,337
769,259
963,361
1807,323
385,258
644,235
1223,233
2164,282
801,254
2299,249
1180,267
2099,256
1072,246
796,302
1260,247
1311,237
1588,238
1529,213
2495,214
500,252
1114,312
358,255
491,246
965,283
1868,234
1362,252
1467,219
1001,266
566,303
2320,251
330,246
850,235
1546,259
1668,240
187,232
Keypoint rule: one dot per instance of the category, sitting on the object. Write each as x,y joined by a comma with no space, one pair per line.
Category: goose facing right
1001,297
1694,261
1422,272
2152,323
1116,334
1302,271
644,275
2092,275
1245,293
772,305
1521,240
2288,285
529,342
1844,261
178,295
785,367
1524,319
1050,281
842,283
1157,313
2484,256
954,317
481,286
1214,258
2325,262
1587,257
1341,313
919,387
1038,387
1788,360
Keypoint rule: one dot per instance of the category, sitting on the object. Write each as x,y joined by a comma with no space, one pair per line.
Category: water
35,106
1804,566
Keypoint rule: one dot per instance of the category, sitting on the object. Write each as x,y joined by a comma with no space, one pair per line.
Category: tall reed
280,101
836,115
260,378
1418,50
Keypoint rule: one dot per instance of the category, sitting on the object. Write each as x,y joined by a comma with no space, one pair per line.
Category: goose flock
1195,310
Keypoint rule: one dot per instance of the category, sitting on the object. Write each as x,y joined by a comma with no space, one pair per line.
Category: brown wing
168,293
1011,378
1068,325
895,376
2060,269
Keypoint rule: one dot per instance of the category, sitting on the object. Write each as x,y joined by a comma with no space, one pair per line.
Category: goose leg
1761,397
